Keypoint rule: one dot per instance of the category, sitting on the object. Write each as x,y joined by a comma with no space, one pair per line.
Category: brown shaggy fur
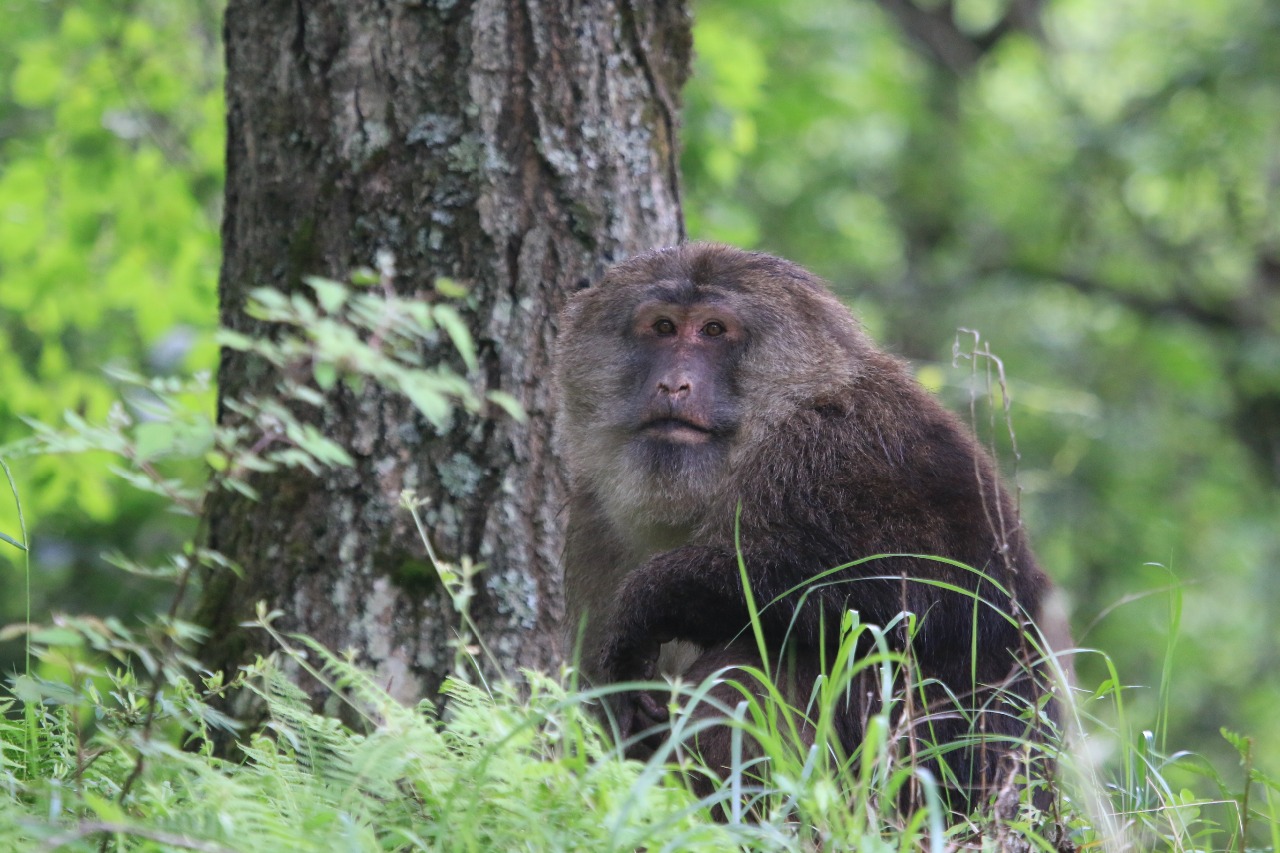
831,451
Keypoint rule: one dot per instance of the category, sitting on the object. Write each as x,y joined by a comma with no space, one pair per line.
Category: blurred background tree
1094,185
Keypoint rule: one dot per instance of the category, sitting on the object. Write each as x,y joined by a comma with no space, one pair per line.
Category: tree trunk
515,146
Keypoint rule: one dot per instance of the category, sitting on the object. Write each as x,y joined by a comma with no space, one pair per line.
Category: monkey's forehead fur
770,295
710,264
696,269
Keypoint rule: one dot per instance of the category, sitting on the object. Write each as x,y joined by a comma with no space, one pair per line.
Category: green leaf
35,691
235,340
326,375
429,401
268,304
217,460
1242,744
153,439
451,321
106,810
508,404
450,289
57,637
14,542
331,295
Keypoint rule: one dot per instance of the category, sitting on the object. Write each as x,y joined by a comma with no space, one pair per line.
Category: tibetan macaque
707,392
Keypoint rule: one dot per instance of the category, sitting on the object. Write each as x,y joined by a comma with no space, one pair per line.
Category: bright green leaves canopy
111,147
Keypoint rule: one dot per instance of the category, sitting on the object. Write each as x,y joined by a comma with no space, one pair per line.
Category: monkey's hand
678,594
635,710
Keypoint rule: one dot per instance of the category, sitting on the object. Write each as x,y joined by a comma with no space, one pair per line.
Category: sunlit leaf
508,404
449,319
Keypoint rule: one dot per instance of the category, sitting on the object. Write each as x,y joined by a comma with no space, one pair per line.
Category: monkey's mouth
677,430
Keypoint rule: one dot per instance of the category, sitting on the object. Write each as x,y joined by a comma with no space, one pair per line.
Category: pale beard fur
658,497
659,493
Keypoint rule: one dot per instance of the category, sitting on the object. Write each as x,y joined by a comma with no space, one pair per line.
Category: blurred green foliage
1093,185
111,149
1096,189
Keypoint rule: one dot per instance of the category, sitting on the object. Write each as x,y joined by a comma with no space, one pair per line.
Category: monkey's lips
676,430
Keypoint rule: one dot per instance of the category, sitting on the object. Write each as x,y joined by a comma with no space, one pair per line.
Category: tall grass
530,767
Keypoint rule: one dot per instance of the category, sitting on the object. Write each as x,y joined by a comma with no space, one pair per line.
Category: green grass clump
85,764
499,771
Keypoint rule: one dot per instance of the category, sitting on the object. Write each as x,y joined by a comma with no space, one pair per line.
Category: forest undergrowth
113,736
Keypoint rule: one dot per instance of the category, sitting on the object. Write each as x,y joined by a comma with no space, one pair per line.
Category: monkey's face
672,378
681,408
650,405
681,375
667,363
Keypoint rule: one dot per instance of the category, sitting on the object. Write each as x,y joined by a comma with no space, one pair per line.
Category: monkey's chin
675,472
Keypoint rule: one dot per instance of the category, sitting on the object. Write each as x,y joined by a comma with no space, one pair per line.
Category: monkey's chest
677,657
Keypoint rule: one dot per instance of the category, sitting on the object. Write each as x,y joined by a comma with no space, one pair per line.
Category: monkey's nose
677,388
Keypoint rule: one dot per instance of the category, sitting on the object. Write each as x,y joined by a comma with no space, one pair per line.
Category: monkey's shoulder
848,449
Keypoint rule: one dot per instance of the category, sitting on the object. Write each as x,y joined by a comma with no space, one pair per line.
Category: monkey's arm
840,495
695,593
689,593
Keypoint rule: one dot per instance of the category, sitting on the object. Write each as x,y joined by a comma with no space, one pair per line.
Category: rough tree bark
515,146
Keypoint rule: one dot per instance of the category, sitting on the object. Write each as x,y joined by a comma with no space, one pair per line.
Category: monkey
718,405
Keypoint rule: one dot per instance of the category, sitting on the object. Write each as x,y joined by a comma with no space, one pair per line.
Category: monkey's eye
714,329
664,327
